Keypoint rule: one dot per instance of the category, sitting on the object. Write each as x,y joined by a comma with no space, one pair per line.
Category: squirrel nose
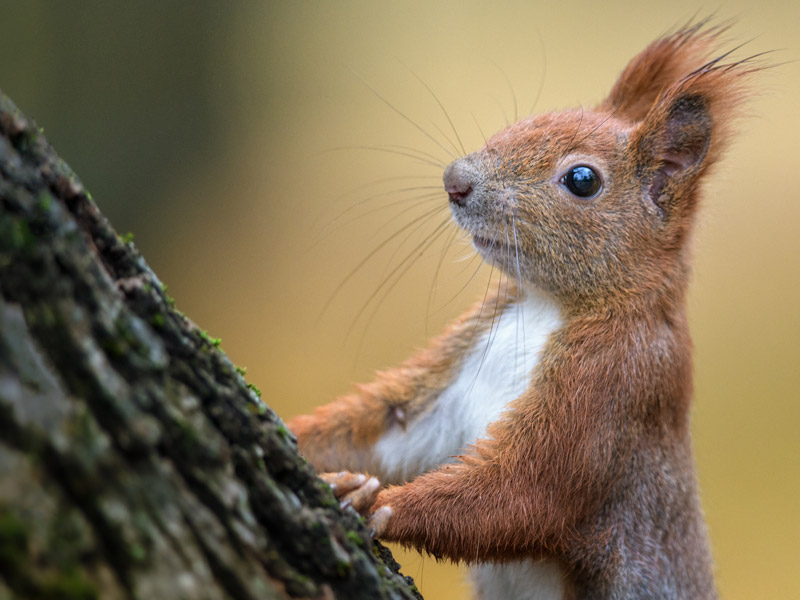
458,182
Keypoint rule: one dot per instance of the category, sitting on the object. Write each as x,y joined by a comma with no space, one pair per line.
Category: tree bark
135,461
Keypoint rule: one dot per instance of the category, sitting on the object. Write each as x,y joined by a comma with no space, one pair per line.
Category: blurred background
260,152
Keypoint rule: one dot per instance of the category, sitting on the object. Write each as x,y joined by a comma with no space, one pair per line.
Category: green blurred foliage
125,91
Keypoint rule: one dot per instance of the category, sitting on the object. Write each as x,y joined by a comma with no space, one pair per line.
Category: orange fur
591,467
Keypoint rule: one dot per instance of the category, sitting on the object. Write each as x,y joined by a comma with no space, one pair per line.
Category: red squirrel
543,438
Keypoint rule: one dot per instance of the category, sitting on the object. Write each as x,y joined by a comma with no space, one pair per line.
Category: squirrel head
595,205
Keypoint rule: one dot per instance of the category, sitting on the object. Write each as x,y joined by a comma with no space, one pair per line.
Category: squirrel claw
378,520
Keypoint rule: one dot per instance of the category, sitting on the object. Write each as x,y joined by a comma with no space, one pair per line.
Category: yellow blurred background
231,139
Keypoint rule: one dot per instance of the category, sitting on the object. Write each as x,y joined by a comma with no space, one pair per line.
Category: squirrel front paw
360,492
353,489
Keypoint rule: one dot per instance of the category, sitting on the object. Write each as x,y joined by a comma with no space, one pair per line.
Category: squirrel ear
680,103
672,143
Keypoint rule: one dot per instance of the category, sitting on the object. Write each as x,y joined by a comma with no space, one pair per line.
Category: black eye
582,181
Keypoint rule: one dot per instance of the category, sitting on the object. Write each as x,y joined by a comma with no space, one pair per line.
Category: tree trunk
135,461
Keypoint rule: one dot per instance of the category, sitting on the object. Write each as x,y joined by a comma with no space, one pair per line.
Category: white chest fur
496,371
527,580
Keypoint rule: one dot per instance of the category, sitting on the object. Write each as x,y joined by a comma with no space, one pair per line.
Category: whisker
577,130
502,110
401,268
422,153
316,223
403,115
431,191
433,210
508,277
446,137
478,125
544,70
511,89
407,237
391,150
445,248
369,256
481,264
411,202
519,278
441,106
468,345
389,282
492,332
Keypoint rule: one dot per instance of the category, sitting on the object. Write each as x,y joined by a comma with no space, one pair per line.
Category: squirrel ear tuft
659,66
